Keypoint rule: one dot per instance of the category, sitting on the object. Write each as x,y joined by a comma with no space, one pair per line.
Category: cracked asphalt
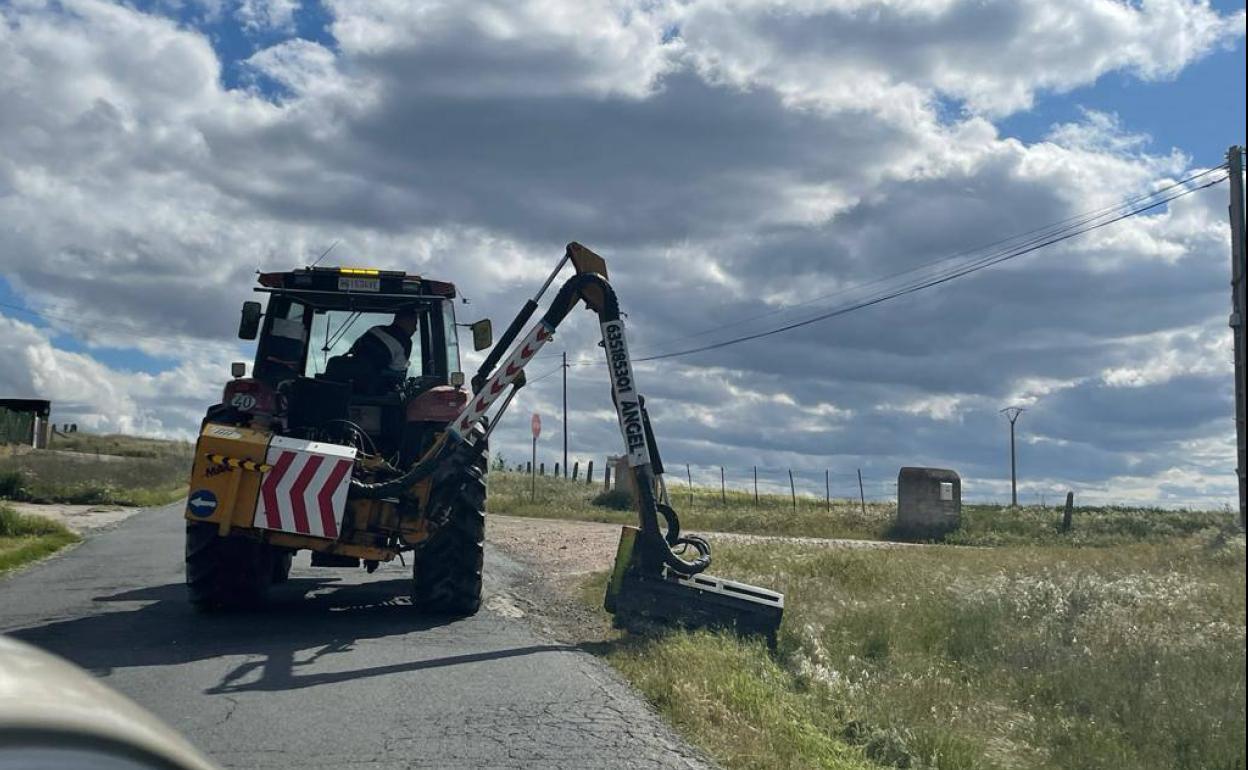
337,671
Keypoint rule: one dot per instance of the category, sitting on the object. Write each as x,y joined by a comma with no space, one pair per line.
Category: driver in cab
382,352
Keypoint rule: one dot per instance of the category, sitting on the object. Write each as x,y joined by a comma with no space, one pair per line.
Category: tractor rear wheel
282,560
225,572
447,572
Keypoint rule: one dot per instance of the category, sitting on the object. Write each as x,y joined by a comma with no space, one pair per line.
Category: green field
1119,644
511,493
1038,657
25,538
93,470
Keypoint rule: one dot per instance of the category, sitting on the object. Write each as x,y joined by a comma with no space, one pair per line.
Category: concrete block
929,502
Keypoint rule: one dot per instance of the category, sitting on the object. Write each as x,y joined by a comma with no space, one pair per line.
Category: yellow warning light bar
358,271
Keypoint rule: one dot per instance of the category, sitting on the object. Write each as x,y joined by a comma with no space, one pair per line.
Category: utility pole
1011,413
565,414
1239,316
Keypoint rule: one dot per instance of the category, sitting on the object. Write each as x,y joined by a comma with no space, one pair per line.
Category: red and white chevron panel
305,492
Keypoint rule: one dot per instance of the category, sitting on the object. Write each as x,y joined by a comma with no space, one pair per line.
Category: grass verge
25,538
98,470
117,445
1044,657
557,498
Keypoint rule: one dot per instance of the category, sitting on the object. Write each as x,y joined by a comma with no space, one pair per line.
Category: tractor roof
354,286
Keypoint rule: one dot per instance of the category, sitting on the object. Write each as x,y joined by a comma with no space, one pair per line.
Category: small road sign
537,425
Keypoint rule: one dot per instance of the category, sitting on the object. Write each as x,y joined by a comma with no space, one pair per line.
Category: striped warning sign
305,488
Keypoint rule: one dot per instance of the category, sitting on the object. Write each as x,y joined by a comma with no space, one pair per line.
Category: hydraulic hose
417,473
657,548
504,342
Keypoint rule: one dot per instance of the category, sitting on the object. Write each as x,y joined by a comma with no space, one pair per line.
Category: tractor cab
310,379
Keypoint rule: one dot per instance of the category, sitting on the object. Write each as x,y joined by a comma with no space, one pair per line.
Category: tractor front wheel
226,572
447,572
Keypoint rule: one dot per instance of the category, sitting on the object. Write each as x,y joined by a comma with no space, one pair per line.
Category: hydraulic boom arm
651,579
643,458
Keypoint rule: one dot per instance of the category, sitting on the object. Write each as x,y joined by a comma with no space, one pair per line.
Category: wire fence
759,482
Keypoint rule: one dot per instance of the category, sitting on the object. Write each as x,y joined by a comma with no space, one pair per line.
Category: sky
741,164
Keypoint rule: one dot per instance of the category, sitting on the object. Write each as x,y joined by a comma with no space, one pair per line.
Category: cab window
335,331
281,352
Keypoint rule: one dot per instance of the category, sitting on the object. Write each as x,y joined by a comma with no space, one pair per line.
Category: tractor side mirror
482,334
249,325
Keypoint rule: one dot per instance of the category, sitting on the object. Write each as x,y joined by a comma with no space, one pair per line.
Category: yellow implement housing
229,467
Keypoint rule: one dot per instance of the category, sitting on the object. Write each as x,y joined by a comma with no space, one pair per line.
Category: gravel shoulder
82,519
573,549
561,554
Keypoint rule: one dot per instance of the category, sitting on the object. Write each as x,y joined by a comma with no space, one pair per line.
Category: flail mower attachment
691,601
651,583
652,580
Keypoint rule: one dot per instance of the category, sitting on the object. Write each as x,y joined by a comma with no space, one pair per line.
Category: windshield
335,331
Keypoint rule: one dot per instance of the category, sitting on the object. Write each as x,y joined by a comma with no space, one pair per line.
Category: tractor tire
447,572
282,559
225,572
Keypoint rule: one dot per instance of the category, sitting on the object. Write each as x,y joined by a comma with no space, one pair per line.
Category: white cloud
104,399
599,47
302,66
267,15
994,57
943,408
730,161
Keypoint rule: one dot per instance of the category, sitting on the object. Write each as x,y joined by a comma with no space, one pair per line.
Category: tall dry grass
98,470
25,538
1129,656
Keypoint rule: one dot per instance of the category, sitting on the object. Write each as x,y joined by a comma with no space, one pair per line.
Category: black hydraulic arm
504,342
642,453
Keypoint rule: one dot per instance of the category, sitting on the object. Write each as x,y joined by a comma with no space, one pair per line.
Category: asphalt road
337,671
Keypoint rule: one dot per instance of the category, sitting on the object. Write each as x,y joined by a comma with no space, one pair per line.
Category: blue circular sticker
202,502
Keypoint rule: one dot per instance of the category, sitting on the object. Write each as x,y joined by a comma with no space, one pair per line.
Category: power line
544,376
77,323
948,275
1039,233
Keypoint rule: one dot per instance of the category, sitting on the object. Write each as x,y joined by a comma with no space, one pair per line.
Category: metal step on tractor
356,438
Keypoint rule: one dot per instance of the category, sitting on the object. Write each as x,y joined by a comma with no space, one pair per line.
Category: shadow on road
302,623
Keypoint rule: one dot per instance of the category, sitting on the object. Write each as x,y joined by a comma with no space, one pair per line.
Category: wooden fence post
541,469
528,467
589,473
862,496
827,489
606,478
556,469
756,485
1069,514
576,468
792,490
689,478
723,494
